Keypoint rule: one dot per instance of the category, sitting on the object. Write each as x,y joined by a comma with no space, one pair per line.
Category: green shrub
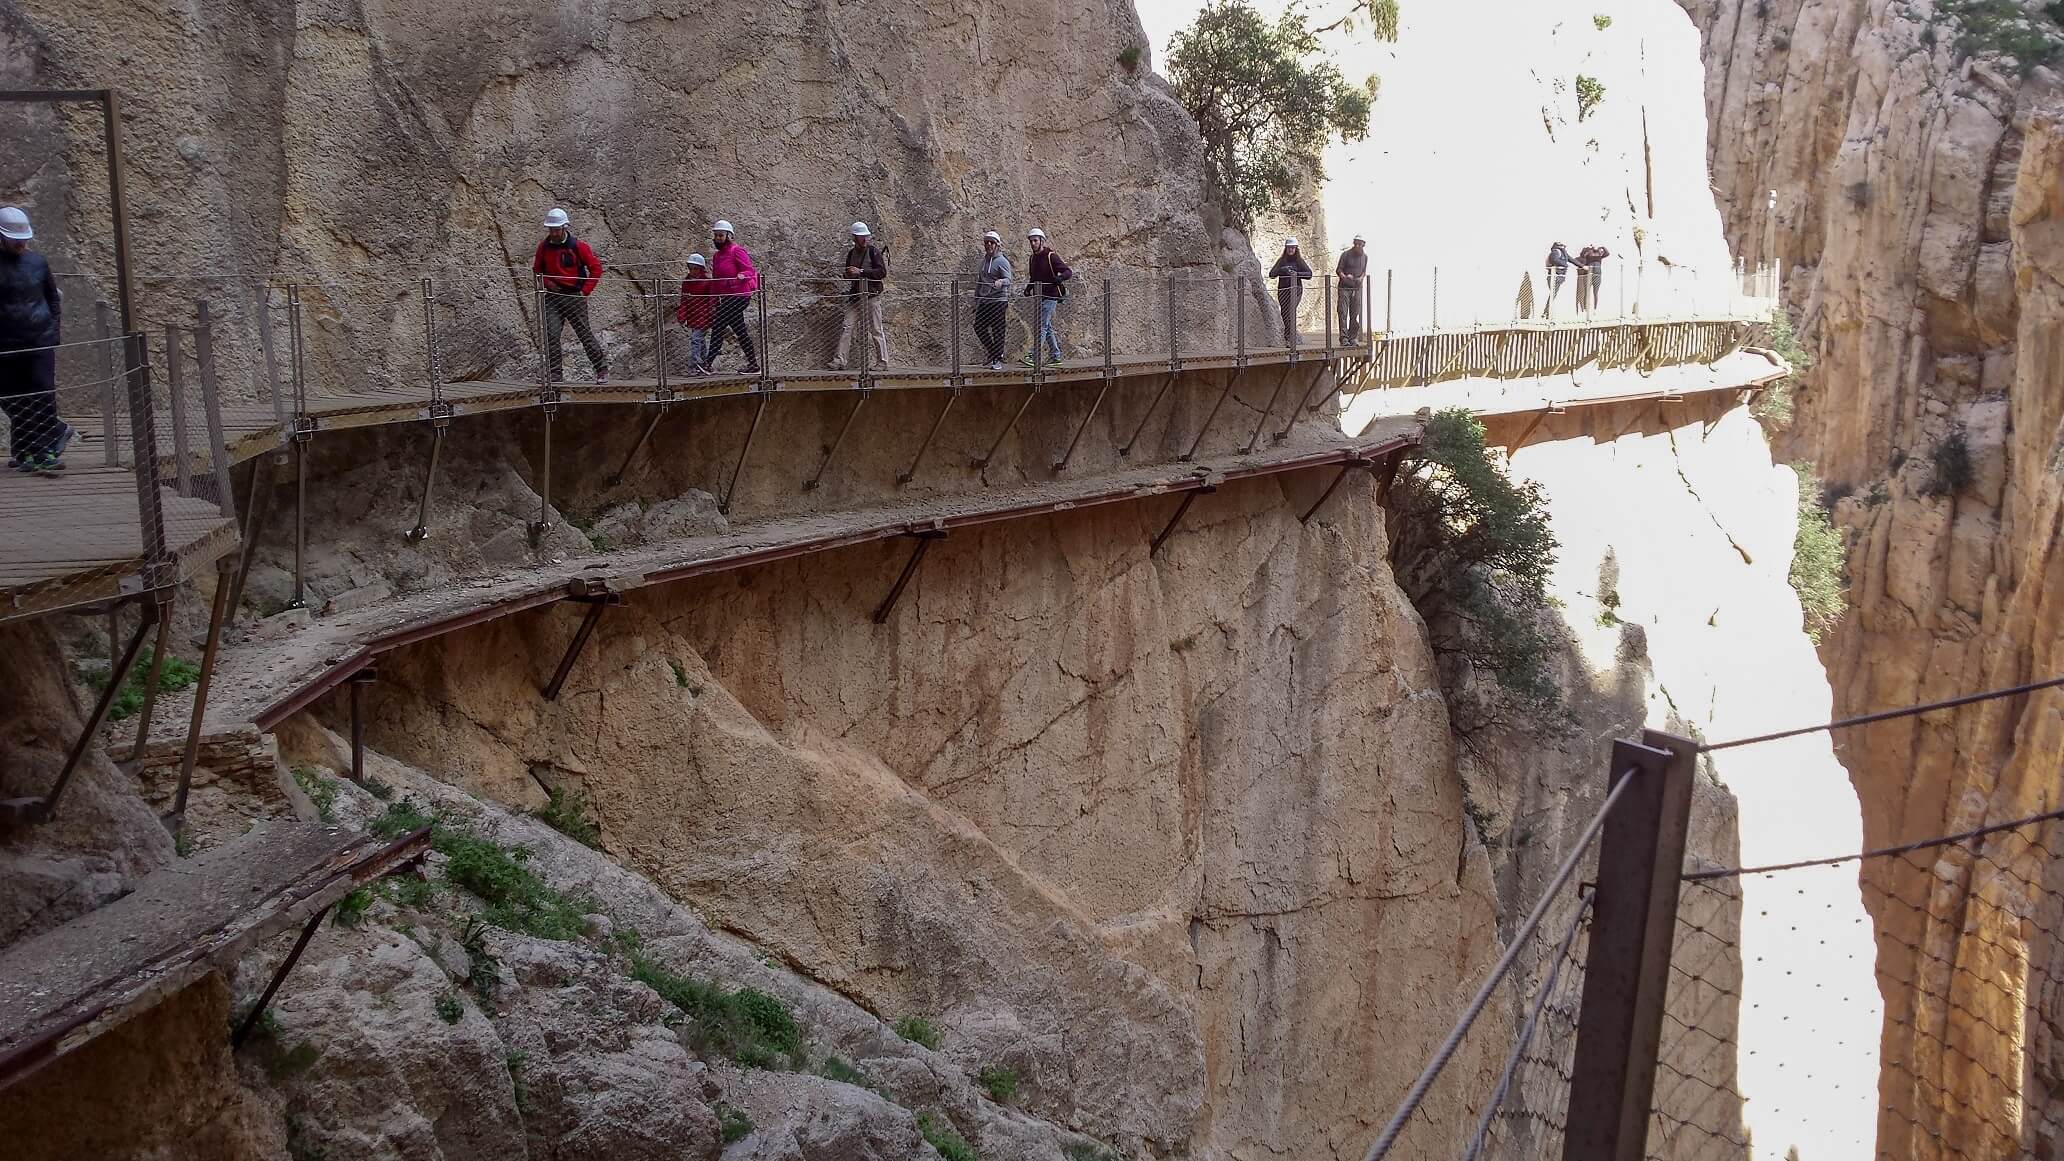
732,1123
566,811
378,789
320,789
836,1068
515,1062
753,1028
2012,28
1951,460
481,965
1776,405
405,890
1590,91
449,1007
350,910
516,897
1001,1082
1474,551
1129,58
1819,559
178,674
938,1133
1601,21
680,674
919,1030
400,818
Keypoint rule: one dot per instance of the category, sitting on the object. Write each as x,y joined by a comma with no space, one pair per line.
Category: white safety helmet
1289,242
860,230
14,224
992,236
1035,232
555,219
697,260
722,227
1359,238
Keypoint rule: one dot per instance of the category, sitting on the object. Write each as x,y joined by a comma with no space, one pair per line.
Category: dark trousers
1350,311
561,309
1597,272
28,394
731,320
990,320
1287,298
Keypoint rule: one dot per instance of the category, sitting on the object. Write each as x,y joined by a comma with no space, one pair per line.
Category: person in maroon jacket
568,273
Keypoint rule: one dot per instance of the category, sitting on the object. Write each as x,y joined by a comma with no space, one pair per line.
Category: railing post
1389,285
263,296
1326,291
1620,276
297,365
664,391
953,329
110,390
1174,329
766,353
1110,365
175,393
143,446
211,405
430,363
1240,321
1627,973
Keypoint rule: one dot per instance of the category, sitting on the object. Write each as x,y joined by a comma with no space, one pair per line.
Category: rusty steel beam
191,754
952,397
45,808
279,976
1262,420
1231,378
1126,449
810,485
980,462
596,606
925,537
1181,509
1062,463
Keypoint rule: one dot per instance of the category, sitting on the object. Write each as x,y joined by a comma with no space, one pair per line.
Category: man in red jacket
568,273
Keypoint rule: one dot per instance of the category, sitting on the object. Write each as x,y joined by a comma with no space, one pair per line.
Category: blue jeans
1046,332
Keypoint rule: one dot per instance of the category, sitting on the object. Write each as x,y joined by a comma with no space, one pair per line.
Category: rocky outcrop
1133,822
1918,205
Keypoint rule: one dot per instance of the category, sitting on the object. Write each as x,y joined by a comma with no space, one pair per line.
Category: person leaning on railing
866,266
1352,273
568,273
1048,279
992,298
1291,272
731,270
31,327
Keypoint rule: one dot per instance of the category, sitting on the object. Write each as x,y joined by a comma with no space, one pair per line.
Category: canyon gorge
1102,835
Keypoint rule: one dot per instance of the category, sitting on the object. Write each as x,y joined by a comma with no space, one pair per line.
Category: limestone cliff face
1178,831
1918,204
358,147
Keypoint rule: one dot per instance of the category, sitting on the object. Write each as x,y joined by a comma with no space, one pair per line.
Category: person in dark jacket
1352,272
866,266
1047,278
1291,272
31,328
992,298
568,273
1559,262
1590,275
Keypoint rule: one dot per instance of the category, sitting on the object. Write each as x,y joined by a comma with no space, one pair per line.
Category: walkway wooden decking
78,539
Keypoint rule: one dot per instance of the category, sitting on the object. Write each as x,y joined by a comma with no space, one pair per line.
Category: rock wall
1140,821
1918,206
356,148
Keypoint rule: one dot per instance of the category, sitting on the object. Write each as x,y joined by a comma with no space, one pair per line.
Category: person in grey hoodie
1291,272
992,298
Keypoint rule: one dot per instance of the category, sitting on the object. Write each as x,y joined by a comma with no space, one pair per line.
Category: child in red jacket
698,312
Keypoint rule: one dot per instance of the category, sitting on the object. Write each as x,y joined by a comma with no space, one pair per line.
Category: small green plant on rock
1601,21
517,897
919,1030
751,1027
515,1062
320,789
449,1007
1091,1153
178,674
566,811
836,1068
400,818
1001,1082
732,1123
2032,35
938,1132
1819,559
350,910
1590,93
1951,462
1129,58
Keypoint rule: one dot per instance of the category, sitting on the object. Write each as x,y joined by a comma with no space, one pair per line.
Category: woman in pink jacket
732,276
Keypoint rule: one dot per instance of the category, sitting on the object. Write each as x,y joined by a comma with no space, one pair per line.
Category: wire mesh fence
1960,1062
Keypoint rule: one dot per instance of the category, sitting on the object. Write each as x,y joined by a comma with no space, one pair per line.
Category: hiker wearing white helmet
567,273
735,280
866,266
698,312
1291,272
992,298
1352,272
1047,277
31,318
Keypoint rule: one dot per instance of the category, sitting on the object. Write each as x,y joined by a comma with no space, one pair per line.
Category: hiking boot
698,369
838,364
749,369
996,364
64,440
601,376
44,464
1030,360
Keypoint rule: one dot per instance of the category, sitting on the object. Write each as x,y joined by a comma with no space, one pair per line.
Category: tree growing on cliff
1266,102
2029,31
1474,551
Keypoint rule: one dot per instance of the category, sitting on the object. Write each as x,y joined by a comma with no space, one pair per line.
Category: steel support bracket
1334,486
924,536
358,681
19,810
597,603
952,396
272,986
1190,497
982,461
831,449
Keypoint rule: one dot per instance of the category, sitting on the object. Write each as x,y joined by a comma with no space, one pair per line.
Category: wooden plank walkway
78,539
198,915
